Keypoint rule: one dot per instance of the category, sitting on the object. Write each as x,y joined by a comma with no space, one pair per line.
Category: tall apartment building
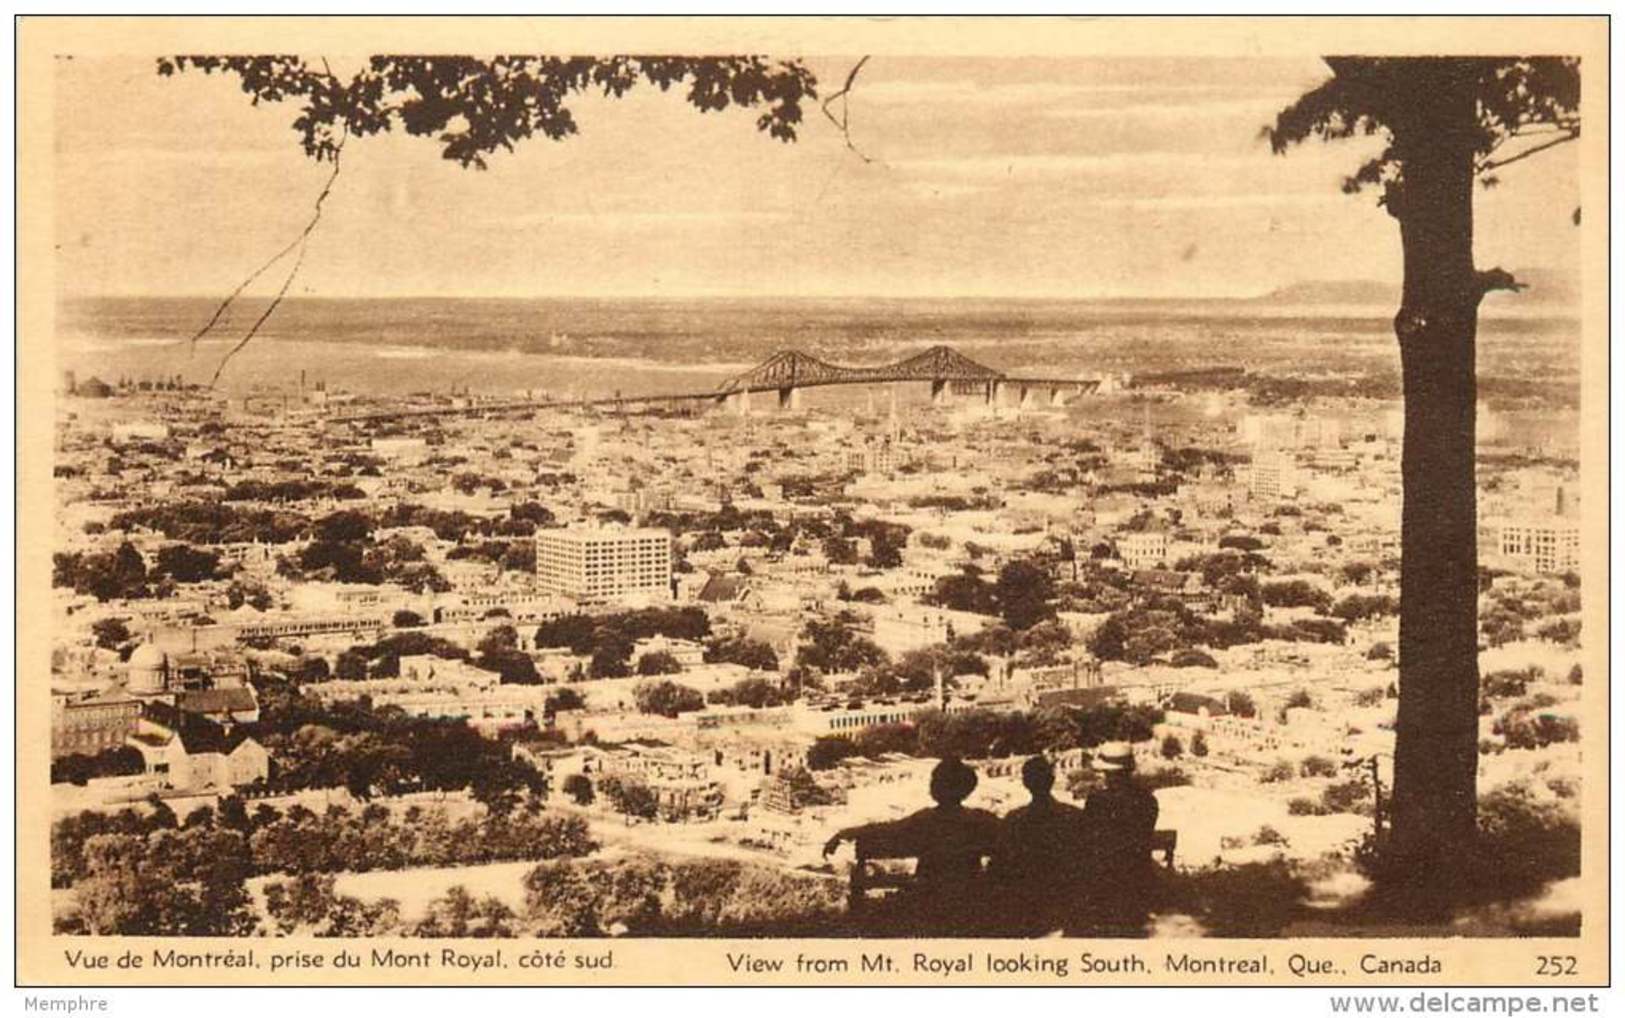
1272,476
1550,545
592,564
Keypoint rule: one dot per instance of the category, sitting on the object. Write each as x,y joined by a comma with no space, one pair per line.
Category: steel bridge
789,372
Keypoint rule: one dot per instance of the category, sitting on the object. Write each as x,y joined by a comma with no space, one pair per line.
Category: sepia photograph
737,501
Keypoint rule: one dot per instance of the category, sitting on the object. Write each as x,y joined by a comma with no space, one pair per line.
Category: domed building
149,671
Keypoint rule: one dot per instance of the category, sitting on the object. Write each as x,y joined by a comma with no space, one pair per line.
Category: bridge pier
1026,399
939,392
738,402
790,398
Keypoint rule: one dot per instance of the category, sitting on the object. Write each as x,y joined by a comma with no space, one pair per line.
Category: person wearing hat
1119,819
1040,863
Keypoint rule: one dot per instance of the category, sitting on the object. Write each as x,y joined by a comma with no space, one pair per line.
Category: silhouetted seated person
1041,861
948,843
1118,819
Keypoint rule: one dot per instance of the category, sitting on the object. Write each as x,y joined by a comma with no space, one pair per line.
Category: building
679,780
400,446
1143,549
596,565
1550,545
1272,476
92,724
854,717
433,687
139,431
876,458
687,653
638,501
189,753
1290,431
900,628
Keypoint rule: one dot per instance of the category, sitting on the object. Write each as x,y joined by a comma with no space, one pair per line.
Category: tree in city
659,662
1447,123
110,634
611,659
667,698
474,107
579,788
753,654
1024,591
563,699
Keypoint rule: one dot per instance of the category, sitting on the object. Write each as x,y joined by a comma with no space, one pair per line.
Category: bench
870,875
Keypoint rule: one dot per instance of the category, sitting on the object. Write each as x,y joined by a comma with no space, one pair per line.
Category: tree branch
1497,278
302,242
220,311
1494,164
843,123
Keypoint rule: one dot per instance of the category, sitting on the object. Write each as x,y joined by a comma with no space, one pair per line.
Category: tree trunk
1436,752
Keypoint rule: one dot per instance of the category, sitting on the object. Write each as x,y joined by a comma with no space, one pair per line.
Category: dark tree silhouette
1448,122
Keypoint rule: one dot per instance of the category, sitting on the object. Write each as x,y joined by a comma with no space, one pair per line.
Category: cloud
1125,95
992,168
1194,202
643,220
1260,108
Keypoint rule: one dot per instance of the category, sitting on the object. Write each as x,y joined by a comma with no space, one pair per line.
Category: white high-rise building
1272,476
599,564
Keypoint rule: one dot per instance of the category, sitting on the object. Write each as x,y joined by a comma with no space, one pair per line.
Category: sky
1069,178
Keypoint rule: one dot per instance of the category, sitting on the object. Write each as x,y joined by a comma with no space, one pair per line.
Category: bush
1369,697
1267,835
1301,807
1164,777
829,750
633,798
1317,767
1199,745
1347,797
689,897
563,699
1296,594
659,662
1240,704
1523,728
1280,770
1251,900
1172,748
1380,652
1525,841
1506,684
1191,658
78,768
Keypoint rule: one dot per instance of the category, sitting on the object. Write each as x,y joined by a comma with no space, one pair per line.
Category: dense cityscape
531,655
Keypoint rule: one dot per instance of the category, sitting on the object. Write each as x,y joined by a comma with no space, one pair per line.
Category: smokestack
1560,500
